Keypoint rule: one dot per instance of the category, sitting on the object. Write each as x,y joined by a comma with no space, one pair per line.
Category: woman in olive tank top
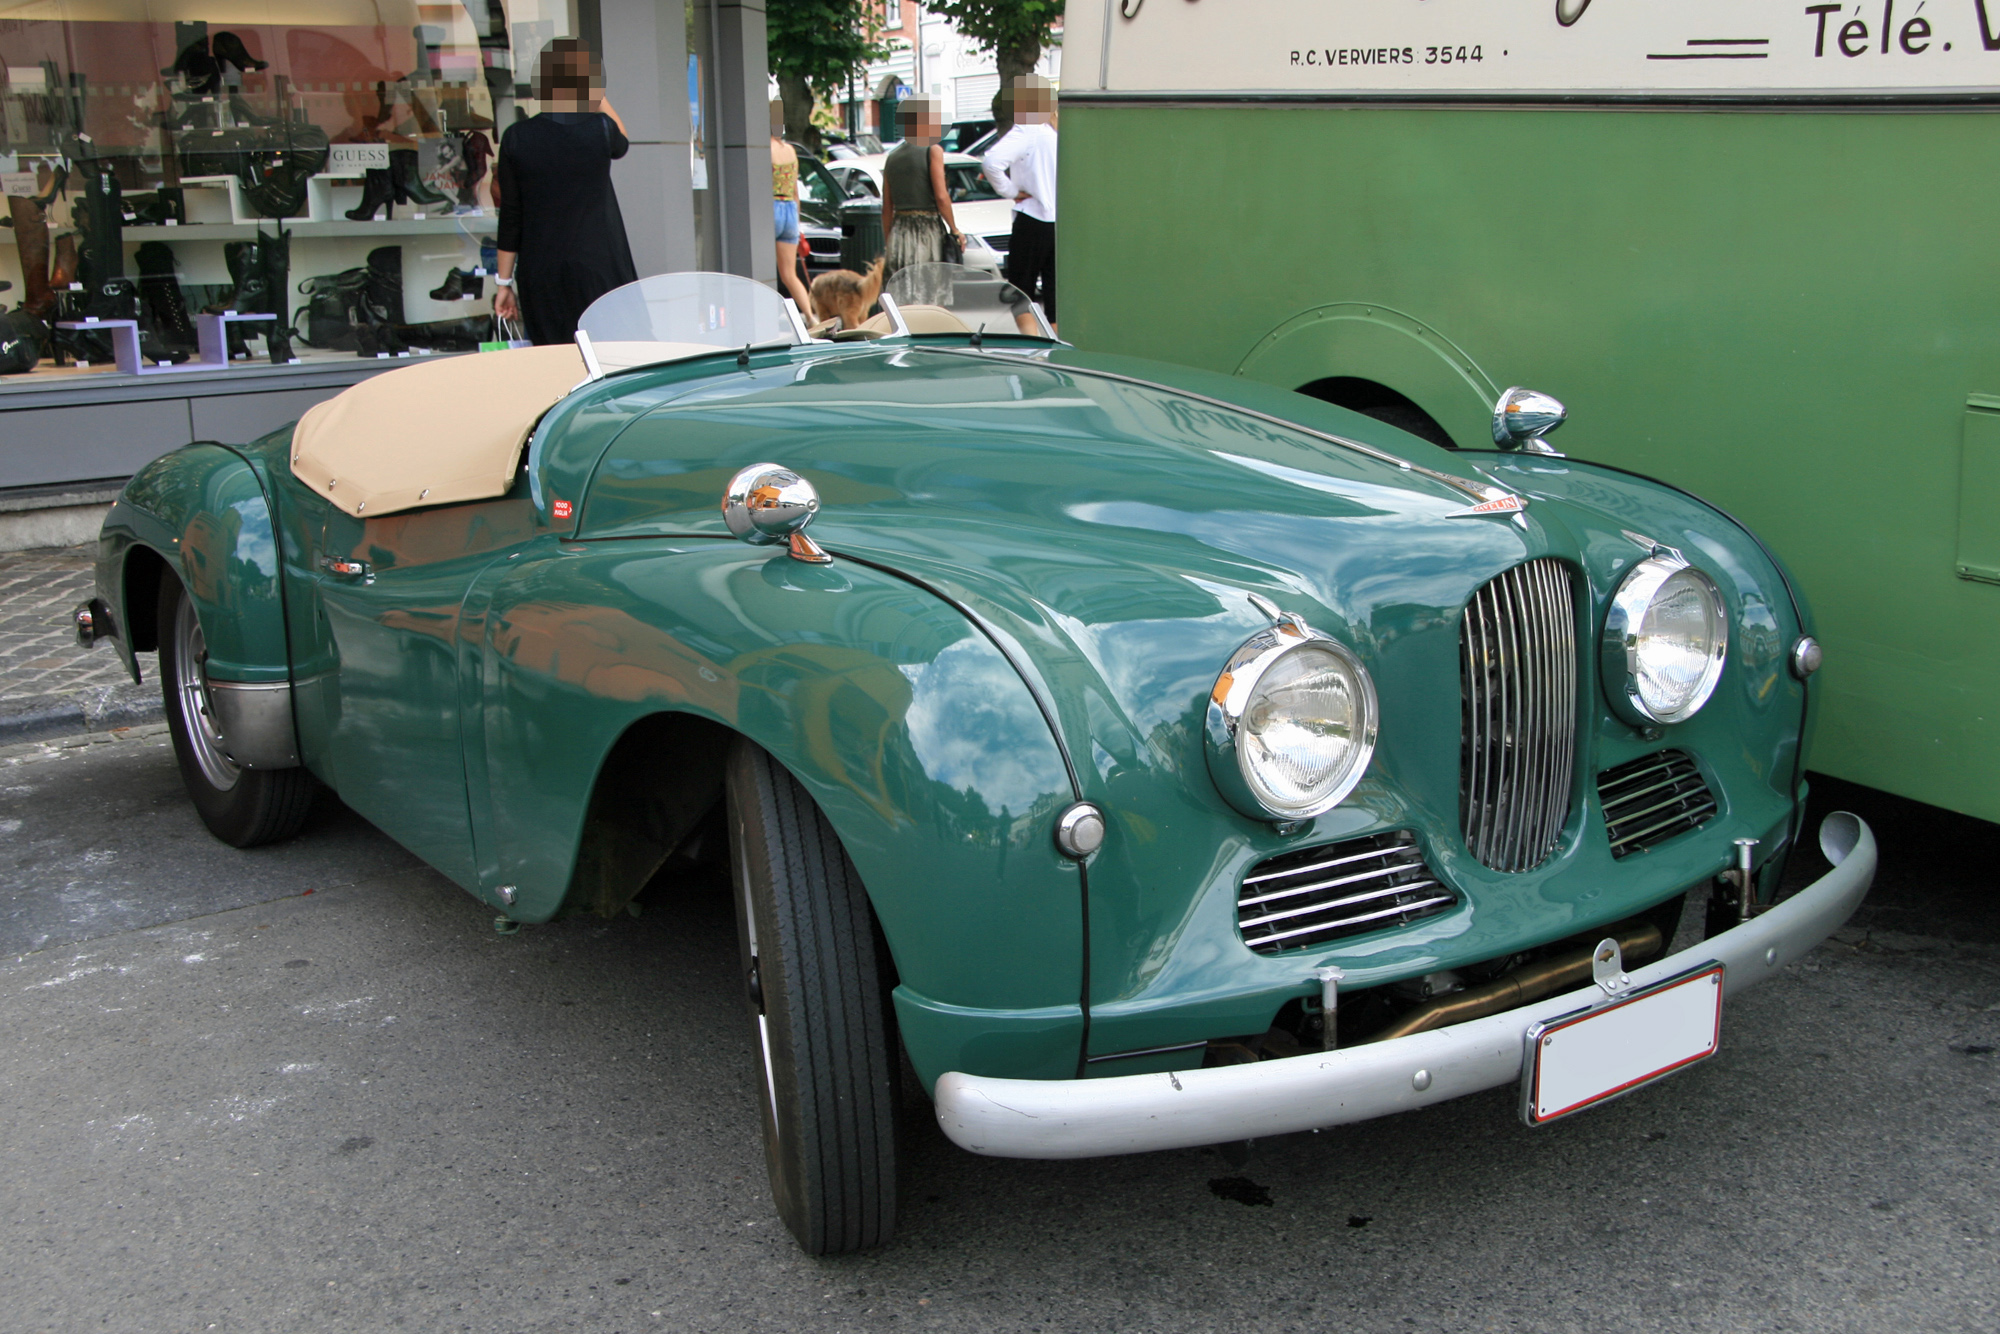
916,204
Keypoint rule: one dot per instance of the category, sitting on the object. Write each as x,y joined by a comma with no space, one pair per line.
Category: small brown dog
847,294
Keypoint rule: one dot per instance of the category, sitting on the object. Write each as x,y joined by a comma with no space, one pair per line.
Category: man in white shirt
1022,167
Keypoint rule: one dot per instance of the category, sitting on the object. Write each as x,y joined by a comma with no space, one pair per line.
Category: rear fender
200,513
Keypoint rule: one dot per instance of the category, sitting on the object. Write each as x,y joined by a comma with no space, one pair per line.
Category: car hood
1034,477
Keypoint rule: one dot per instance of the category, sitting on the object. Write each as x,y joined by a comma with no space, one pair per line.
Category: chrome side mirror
1523,416
767,503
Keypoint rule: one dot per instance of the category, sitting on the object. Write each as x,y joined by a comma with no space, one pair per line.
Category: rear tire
824,1036
243,807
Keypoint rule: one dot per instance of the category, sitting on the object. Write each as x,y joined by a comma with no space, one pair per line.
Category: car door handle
345,567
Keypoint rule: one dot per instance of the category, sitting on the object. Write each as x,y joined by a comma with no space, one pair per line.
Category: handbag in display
329,310
21,339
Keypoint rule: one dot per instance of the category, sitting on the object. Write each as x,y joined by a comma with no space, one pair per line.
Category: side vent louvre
1650,800
1308,897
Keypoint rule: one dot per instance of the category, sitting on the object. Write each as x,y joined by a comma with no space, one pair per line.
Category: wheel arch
1377,348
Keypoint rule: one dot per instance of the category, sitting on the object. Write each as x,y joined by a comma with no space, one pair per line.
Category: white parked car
986,219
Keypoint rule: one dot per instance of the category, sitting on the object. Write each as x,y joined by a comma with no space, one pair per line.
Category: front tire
825,1037
242,807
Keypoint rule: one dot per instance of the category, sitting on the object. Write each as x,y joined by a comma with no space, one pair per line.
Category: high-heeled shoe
229,49
409,186
459,286
376,193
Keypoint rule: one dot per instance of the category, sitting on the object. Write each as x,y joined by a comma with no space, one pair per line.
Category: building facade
325,170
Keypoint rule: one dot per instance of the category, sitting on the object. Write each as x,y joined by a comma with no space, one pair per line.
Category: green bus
1739,240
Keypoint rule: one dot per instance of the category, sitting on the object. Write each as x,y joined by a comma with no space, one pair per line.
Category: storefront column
743,98
644,46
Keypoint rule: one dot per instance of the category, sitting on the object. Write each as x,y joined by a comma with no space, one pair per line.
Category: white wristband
498,281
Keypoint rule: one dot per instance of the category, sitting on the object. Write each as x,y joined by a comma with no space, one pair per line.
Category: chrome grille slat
1289,902
1337,882
1652,799
1345,901
1439,901
1318,866
1518,669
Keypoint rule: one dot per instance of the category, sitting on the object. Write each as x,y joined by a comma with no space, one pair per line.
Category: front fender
909,728
202,511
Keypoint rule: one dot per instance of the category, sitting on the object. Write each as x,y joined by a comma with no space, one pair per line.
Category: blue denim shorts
785,215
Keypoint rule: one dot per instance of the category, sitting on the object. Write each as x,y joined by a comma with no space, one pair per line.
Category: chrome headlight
1664,642
1291,724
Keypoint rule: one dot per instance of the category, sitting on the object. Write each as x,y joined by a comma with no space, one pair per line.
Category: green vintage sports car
1155,758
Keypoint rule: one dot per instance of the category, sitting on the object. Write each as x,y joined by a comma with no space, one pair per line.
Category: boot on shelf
245,260
381,302
459,286
31,239
409,186
276,256
62,274
376,192
228,49
160,301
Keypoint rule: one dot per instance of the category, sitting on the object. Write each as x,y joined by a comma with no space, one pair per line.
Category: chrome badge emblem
1502,504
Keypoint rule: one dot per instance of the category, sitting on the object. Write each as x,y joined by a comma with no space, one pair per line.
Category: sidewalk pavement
50,685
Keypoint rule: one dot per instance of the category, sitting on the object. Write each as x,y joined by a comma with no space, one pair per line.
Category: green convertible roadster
1155,758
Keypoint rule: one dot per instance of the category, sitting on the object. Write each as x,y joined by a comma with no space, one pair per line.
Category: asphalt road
310,1088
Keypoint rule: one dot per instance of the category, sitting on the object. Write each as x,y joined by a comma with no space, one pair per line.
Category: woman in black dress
562,239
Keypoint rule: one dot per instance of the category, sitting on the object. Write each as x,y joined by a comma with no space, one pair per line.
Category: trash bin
860,233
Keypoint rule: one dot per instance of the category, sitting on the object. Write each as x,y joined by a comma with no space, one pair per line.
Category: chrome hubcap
190,661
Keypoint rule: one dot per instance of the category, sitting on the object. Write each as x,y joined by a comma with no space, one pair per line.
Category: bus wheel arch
1381,362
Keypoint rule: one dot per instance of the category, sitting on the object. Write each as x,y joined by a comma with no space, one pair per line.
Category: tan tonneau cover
444,431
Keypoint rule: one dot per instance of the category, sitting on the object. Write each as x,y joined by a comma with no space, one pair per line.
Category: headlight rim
1627,610
1234,690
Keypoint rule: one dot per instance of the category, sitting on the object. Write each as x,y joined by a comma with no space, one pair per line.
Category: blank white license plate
1583,1059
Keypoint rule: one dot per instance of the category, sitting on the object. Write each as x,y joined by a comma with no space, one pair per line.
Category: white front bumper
1089,1118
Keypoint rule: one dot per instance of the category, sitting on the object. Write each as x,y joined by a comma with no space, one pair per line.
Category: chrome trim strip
1089,1118
1327,903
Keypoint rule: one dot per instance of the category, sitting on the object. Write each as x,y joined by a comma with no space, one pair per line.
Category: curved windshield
717,309
952,299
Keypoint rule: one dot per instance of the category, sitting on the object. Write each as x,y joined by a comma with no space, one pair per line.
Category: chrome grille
1314,895
1517,656
1648,801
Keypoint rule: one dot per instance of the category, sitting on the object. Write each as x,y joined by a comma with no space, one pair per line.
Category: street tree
814,46
1016,31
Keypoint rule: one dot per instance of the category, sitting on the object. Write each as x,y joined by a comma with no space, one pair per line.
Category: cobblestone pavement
49,684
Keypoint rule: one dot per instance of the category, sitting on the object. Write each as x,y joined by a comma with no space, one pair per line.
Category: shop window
321,176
